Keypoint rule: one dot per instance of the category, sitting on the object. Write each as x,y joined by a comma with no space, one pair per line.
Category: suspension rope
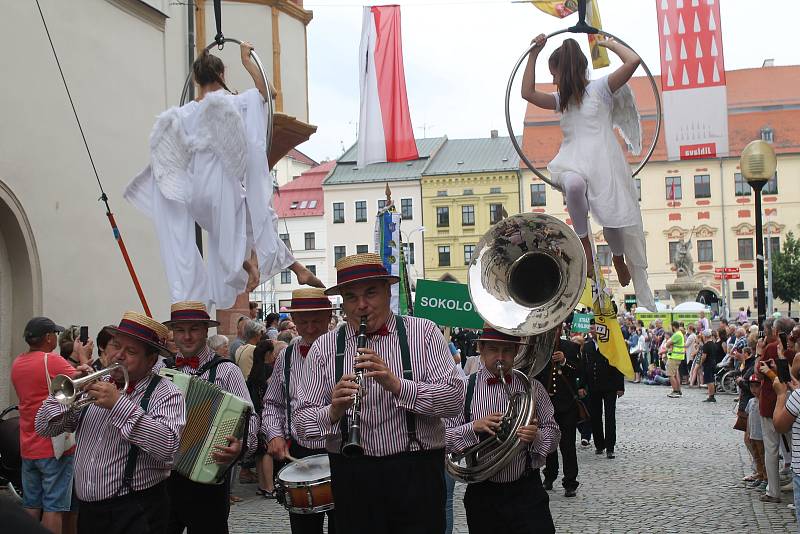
219,38
103,196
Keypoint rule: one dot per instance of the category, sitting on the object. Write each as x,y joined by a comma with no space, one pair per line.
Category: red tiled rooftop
305,188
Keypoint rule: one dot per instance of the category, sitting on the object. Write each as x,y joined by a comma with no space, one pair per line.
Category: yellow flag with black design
563,8
609,334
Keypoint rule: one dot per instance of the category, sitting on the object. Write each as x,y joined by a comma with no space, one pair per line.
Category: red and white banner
693,79
384,126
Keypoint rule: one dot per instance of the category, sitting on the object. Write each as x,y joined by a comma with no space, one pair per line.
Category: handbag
66,440
741,421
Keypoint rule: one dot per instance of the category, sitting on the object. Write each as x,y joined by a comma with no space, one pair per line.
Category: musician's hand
488,424
342,396
83,370
105,394
226,455
374,367
620,393
527,433
558,357
278,448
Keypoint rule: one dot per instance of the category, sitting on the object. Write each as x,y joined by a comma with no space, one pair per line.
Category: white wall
287,169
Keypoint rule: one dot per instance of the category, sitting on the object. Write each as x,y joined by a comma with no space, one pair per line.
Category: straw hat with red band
490,334
309,299
357,268
144,329
189,311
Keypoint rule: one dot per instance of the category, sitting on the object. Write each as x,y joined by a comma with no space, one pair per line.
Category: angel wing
169,156
221,129
625,118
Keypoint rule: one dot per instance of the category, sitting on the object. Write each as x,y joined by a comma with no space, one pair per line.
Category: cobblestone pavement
678,469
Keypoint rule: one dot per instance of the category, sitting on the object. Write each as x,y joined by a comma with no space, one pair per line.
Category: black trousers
567,423
141,512
198,508
599,402
309,523
520,507
399,494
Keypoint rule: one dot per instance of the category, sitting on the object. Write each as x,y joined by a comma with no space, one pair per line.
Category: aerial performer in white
590,167
208,165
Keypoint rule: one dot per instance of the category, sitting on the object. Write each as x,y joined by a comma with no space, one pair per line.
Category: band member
513,501
409,383
311,312
189,322
563,379
605,384
126,440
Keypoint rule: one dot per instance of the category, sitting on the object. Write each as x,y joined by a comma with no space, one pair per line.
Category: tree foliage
786,271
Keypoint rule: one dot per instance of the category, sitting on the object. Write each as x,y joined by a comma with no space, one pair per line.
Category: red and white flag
693,79
384,125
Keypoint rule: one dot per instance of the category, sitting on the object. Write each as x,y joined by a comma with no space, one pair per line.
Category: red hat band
357,272
127,326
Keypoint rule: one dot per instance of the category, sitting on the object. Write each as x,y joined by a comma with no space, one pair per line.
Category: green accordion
211,414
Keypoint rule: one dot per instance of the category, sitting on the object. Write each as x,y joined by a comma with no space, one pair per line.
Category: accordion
211,414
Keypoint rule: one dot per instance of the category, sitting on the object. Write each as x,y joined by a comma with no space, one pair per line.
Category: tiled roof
304,193
302,158
347,173
759,97
474,155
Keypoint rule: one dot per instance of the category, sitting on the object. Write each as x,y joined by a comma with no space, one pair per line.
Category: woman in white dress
208,165
590,167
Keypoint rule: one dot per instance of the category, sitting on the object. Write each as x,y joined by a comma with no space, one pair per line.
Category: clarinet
353,446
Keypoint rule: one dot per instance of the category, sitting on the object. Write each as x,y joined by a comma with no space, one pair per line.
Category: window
604,255
312,204
494,191
442,216
303,204
444,256
771,187
408,251
767,134
310,241
638,188
286,276
285,239
312,268
705,250
468,215
745,248
441,193
702,186
740,185
338,212
538,195
381,203
469,250
361,211
294,205
468,192
674,188
339,252
774,243
673,251
362,249
406,209
495,213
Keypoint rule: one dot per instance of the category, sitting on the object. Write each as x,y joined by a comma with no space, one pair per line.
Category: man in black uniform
605,384
563,380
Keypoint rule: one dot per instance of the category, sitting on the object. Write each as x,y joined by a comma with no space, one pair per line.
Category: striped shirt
436,390
793,407
104,438
229,378
273,416
490,398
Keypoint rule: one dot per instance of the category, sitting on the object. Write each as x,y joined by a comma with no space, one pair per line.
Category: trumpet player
409,384
126,439
513,501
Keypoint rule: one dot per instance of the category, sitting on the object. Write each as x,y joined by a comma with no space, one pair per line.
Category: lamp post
758,164
407,240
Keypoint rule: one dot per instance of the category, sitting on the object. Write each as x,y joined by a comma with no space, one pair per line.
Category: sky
459,54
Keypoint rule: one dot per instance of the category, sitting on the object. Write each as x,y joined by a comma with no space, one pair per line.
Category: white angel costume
208,165
591,152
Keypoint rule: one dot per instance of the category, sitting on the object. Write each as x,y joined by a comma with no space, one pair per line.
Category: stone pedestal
684,289
229,317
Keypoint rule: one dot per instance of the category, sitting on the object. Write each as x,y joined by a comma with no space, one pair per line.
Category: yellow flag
563,8
609,333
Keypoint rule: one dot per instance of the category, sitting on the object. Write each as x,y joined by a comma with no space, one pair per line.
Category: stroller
10,459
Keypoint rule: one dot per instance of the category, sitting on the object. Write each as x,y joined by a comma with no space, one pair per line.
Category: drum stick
299,462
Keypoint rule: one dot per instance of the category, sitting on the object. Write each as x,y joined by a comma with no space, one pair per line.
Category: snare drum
307,485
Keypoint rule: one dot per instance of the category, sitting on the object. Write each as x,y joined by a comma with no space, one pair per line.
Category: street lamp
407,240
758,164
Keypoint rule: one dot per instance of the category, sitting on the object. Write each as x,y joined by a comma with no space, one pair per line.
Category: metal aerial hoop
580,27
269,105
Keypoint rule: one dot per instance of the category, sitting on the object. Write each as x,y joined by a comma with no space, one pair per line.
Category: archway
710,298
20,284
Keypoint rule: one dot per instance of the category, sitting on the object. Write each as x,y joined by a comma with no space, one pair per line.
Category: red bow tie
382,331
193,362
495,380
304,350
129,389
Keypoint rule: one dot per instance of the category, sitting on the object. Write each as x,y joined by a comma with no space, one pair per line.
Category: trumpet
70,392
353,446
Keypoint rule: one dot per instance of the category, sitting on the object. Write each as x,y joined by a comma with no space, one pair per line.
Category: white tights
578,208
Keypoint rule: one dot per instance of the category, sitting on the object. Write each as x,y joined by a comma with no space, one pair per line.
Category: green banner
647,317
686,317
580,322
446,304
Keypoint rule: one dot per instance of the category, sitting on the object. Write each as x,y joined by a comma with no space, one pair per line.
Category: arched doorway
20,284
710,298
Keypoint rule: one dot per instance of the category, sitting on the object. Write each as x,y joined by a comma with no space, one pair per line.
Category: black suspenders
133,453
287,371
